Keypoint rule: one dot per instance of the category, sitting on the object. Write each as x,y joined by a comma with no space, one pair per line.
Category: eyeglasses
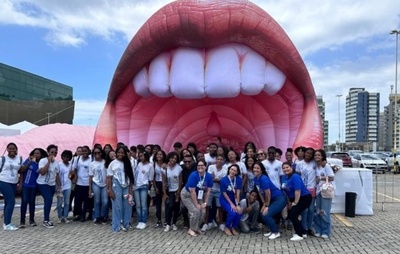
187,162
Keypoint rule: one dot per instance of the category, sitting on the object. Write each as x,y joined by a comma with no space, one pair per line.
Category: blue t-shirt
229,186
263,183
200,183
31,174
290,185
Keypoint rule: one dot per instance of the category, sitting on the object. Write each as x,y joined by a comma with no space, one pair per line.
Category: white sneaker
273,236
167,228
143,226
317,235
10,227
222,227
174,227
304,236
139,225
296,237
324,236
268,234
210,226
204,228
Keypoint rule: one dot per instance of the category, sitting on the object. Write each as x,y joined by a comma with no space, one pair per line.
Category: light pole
48,118
338,96
396,32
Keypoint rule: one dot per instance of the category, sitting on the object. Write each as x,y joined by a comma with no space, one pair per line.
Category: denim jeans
141,203
276,206
121,210
9,190
28,197
100,201
158,200
63,204
322,219
307,216
47,193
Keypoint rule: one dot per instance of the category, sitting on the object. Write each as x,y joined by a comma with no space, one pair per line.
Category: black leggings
295,211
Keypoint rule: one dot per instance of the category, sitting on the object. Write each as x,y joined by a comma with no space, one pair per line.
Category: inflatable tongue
201,71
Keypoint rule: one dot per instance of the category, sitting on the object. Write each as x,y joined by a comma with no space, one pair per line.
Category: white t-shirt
242,166
116,170
9,173
274,170
158,171
143,174
210,160
50,177
325,171
82,170
212,169
99,173
64,172
243,205
307,171
172,175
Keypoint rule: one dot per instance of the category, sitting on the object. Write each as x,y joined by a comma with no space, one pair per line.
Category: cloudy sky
79,43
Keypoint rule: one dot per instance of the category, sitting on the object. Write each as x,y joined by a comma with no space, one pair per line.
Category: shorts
214,194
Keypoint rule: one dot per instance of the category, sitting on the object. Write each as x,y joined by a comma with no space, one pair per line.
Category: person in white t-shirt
66,172
119,189
273,167
97,186
211,156
143,175
10,165
48,178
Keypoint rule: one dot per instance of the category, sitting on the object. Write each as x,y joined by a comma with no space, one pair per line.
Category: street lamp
396,32
338,96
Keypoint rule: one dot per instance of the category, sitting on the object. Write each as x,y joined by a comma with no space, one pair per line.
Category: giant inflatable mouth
201,70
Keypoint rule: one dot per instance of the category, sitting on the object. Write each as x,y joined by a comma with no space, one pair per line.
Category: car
345,157
390,160
381,154
370,161
354,152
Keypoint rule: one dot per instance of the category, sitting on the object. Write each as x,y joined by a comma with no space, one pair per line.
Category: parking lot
362,234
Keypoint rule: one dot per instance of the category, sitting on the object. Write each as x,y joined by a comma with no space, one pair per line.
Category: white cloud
87,111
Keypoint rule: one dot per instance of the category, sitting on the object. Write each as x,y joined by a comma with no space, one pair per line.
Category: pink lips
206,24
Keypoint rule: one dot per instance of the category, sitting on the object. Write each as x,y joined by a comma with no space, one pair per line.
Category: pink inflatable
204,71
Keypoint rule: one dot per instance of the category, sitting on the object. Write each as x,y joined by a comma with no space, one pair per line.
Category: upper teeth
197,73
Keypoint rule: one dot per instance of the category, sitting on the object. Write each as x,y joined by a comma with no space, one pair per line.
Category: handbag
327,189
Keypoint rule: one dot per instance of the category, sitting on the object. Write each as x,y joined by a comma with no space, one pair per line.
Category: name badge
200,194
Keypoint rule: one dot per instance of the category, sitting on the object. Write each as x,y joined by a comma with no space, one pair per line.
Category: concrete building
27,97
391,123
325,124
362,117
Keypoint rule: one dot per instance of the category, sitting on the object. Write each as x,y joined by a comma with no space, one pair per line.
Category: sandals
234,232
227,231
192,233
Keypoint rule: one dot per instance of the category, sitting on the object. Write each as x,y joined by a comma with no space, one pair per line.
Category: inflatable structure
202,71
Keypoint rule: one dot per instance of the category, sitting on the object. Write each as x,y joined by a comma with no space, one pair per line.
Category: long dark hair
127,163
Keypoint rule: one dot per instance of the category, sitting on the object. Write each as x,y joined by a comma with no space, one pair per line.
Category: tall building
362,116
325,124
391,124
27,97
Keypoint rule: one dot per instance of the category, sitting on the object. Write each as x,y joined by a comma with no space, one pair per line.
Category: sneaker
59,221
122,228
63,220
268,234
143,226
324,236
310,232
222,227
158,225
104,221
167,228
304,236
33,224
296,237
97,222
273,236
204,228
10,227
165,224
22,225
67,221
255,230
48,224
174,227
317,235
139,225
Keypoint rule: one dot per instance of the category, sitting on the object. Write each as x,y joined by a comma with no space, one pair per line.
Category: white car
370,161
390,161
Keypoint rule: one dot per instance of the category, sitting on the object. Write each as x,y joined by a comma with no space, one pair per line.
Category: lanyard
232,184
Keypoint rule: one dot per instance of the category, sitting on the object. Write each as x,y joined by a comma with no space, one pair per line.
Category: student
10,165
97,186
250,212
66,171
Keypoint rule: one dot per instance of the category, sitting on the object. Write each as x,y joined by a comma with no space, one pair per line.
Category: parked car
370,161
381,154
345,157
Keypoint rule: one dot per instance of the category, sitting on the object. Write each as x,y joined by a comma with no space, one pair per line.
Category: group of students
220,186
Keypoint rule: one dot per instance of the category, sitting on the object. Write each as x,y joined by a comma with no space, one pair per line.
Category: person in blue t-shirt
230,186
195,195
273,200
27,182
299,197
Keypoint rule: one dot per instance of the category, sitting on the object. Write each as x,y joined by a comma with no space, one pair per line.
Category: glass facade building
26,96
